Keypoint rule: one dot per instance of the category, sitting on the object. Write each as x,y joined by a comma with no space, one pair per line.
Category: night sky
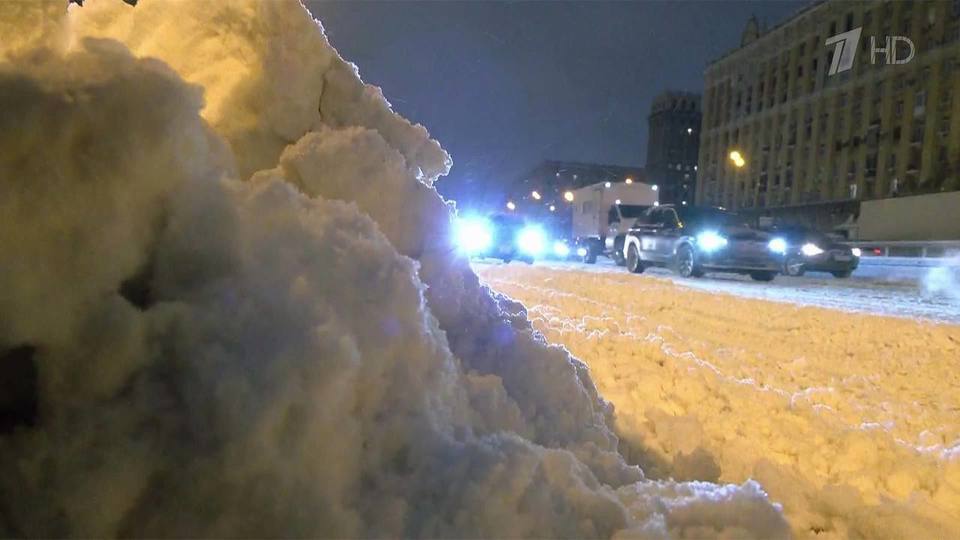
504,85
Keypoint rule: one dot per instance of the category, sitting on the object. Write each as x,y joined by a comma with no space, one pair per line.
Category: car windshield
711,216
632,210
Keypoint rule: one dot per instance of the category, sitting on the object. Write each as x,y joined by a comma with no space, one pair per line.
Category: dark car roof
799,232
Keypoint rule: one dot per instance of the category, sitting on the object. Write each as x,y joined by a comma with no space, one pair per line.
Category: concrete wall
922,217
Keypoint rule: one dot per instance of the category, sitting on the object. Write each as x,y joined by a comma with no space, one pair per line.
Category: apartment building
812,144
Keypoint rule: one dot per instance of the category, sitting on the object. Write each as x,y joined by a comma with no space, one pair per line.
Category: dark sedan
809,250
695,240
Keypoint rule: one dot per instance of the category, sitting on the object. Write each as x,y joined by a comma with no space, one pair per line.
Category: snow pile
228,307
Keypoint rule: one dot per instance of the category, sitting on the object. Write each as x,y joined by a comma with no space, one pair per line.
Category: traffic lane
886,291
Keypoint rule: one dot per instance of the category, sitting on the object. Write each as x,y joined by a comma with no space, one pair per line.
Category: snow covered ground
850,419
898,290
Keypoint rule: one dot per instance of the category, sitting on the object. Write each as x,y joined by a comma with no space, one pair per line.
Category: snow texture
851,421
229,307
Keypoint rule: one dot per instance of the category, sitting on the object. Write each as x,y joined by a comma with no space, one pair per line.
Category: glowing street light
607,184
655,187
511,206
737,159
689,131
568,196
628,180
616,201
553,208
535,195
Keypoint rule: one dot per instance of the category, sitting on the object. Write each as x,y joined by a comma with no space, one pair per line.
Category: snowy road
897,291
850,420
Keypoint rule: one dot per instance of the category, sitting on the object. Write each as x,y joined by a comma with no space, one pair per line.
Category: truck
602,215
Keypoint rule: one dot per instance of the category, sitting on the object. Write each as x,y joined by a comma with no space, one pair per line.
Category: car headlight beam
777,245
531,241
710,241
811,250
473,235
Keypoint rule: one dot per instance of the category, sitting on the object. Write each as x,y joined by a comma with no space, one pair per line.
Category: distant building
813,145
551,179
673,145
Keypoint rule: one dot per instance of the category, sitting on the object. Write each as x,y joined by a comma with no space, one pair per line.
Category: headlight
777,245
561,249
531,241
581,252
710,241
811,250
474,235
856,252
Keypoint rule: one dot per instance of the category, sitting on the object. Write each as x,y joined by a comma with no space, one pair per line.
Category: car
695,240
810,250
500,236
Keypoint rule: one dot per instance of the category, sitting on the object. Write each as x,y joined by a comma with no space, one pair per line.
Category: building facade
673,144
813,144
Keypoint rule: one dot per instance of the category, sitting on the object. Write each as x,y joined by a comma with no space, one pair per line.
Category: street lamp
607,184
655,187
553,208
737,159
535,195
568,196
628,180
511,206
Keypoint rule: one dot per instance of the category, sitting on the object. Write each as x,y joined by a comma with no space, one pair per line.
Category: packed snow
928,291
850,420
229,308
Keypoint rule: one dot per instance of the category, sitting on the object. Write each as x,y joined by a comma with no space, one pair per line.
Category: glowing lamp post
511,206
737,159
568,196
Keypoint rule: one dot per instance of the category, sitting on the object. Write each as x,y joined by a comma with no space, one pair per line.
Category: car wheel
763,276
842,275
793,266
634,264
686,264
591,256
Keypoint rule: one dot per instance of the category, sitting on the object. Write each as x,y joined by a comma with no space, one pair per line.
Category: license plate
842,258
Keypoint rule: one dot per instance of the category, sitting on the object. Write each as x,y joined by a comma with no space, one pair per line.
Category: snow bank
228,307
